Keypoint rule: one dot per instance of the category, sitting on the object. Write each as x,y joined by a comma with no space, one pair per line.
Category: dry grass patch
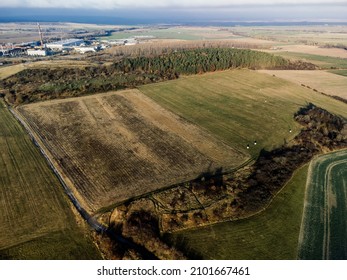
315,50
7,71
119,145
321,81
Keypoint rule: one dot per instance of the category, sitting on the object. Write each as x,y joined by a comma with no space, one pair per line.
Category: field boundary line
314,163
169,187
252,214
37,141
91,220
301,233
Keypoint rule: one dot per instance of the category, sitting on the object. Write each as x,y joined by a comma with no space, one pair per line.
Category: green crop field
240,106
324,230
36,220
339,72
325,62
271,234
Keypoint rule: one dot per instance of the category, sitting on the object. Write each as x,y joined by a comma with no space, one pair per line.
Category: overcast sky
114,4
173,11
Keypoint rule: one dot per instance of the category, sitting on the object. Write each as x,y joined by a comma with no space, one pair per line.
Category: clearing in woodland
241,106
324,226
36,221
120,145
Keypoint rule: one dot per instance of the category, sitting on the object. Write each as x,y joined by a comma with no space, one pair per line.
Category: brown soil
142,154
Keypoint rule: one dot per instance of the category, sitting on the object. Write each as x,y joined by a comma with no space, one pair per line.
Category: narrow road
85,215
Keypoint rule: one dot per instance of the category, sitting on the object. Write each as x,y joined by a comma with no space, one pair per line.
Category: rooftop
66,41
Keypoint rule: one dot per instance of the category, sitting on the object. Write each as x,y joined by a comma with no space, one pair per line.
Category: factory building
63,44
84,49
37,52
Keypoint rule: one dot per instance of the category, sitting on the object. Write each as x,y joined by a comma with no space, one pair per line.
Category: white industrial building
63,44
84,49
37,52
121,42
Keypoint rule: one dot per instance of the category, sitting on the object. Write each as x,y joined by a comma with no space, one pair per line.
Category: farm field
240,106
271,234
339,72
37,220
311,50
320,35
120,145
178,33
322,81
6,71
325,62
185,34
324,226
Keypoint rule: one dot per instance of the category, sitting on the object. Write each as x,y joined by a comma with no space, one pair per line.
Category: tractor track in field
324,228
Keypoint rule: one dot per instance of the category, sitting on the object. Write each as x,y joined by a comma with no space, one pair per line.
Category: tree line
32,85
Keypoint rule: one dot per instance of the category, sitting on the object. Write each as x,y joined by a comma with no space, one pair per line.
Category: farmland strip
324,226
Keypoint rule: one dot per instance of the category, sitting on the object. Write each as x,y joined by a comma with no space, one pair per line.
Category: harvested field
36,220
314,50
324,226
321,35
321,81
323,61
59,63
241,106
119,145
7,71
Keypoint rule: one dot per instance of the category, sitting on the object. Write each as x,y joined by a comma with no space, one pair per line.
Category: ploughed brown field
119,145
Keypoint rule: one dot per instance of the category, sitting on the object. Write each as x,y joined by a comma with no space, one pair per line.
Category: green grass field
325,62
324,232
339,72
176,33
36,220
271,234
240,106
171,33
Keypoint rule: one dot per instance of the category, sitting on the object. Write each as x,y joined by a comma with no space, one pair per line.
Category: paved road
324,227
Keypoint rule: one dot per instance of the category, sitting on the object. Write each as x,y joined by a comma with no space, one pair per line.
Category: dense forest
40,84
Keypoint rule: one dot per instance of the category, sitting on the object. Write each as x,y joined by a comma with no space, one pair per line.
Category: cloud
118,4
